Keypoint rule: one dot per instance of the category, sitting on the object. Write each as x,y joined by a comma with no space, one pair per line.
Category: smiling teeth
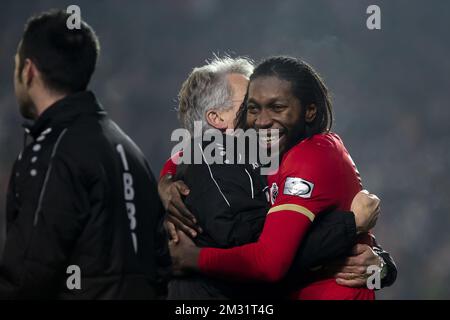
269,139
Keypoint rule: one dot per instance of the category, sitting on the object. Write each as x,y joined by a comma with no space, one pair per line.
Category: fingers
367,209
351,276
372,195
172,231
363,256
186,222
358,269
172,244
181,189
163,189
184,238
184,212
373,220
359,248
349,263
366,199
181,225
178,214
376,216
375,203
170,193
353,280
353,283
352,261
184,189
178,210
181,222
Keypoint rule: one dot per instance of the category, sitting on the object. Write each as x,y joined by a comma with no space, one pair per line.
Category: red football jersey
318,175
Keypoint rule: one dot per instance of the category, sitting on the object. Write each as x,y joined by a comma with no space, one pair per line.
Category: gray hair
207,88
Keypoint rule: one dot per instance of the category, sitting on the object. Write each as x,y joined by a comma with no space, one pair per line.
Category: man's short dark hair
66,58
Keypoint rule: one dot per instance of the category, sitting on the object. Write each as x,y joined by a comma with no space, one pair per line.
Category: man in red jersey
316,175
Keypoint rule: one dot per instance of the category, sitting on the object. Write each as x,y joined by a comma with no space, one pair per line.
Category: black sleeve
332,235
391,274
39,241
163,260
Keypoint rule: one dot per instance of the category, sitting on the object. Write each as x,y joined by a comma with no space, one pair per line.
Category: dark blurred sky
390,89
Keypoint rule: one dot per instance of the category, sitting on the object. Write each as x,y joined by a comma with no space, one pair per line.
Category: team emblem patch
273,193
298,187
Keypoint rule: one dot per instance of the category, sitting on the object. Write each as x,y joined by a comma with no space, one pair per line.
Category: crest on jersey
273,192
298,187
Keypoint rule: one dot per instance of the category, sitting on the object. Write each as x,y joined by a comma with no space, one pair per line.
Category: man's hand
171,230
352,271
179,217
366,208
184,255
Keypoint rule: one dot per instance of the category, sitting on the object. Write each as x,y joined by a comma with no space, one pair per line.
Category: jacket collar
65,110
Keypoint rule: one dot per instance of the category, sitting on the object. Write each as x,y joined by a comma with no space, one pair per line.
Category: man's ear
311,113
215,120
29,72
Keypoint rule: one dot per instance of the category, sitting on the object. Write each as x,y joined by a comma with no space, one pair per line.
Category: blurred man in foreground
82,207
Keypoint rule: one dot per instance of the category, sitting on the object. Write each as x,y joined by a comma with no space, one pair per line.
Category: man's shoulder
89,132
317,155
319,144
85,141
79,140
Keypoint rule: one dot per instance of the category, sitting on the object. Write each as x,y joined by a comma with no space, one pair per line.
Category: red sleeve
305,188
170,167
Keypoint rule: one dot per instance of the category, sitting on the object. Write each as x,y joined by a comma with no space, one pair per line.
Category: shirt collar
64,110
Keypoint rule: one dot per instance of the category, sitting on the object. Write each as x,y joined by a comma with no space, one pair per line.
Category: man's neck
45,101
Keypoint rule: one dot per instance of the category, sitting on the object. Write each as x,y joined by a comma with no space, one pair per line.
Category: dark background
390,89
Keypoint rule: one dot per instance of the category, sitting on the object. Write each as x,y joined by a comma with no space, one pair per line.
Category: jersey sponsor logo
273,192
298,187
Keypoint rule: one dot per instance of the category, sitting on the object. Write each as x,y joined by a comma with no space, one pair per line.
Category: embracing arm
270,258
171,193
267,260
332,235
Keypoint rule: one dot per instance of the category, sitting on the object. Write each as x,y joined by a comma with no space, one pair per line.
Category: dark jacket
81,194
229,200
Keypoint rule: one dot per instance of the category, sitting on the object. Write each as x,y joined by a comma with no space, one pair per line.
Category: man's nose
264,120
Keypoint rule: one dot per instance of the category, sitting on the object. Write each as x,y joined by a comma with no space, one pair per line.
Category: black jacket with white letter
82,211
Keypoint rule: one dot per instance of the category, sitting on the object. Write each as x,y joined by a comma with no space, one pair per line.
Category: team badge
273,193
298,187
